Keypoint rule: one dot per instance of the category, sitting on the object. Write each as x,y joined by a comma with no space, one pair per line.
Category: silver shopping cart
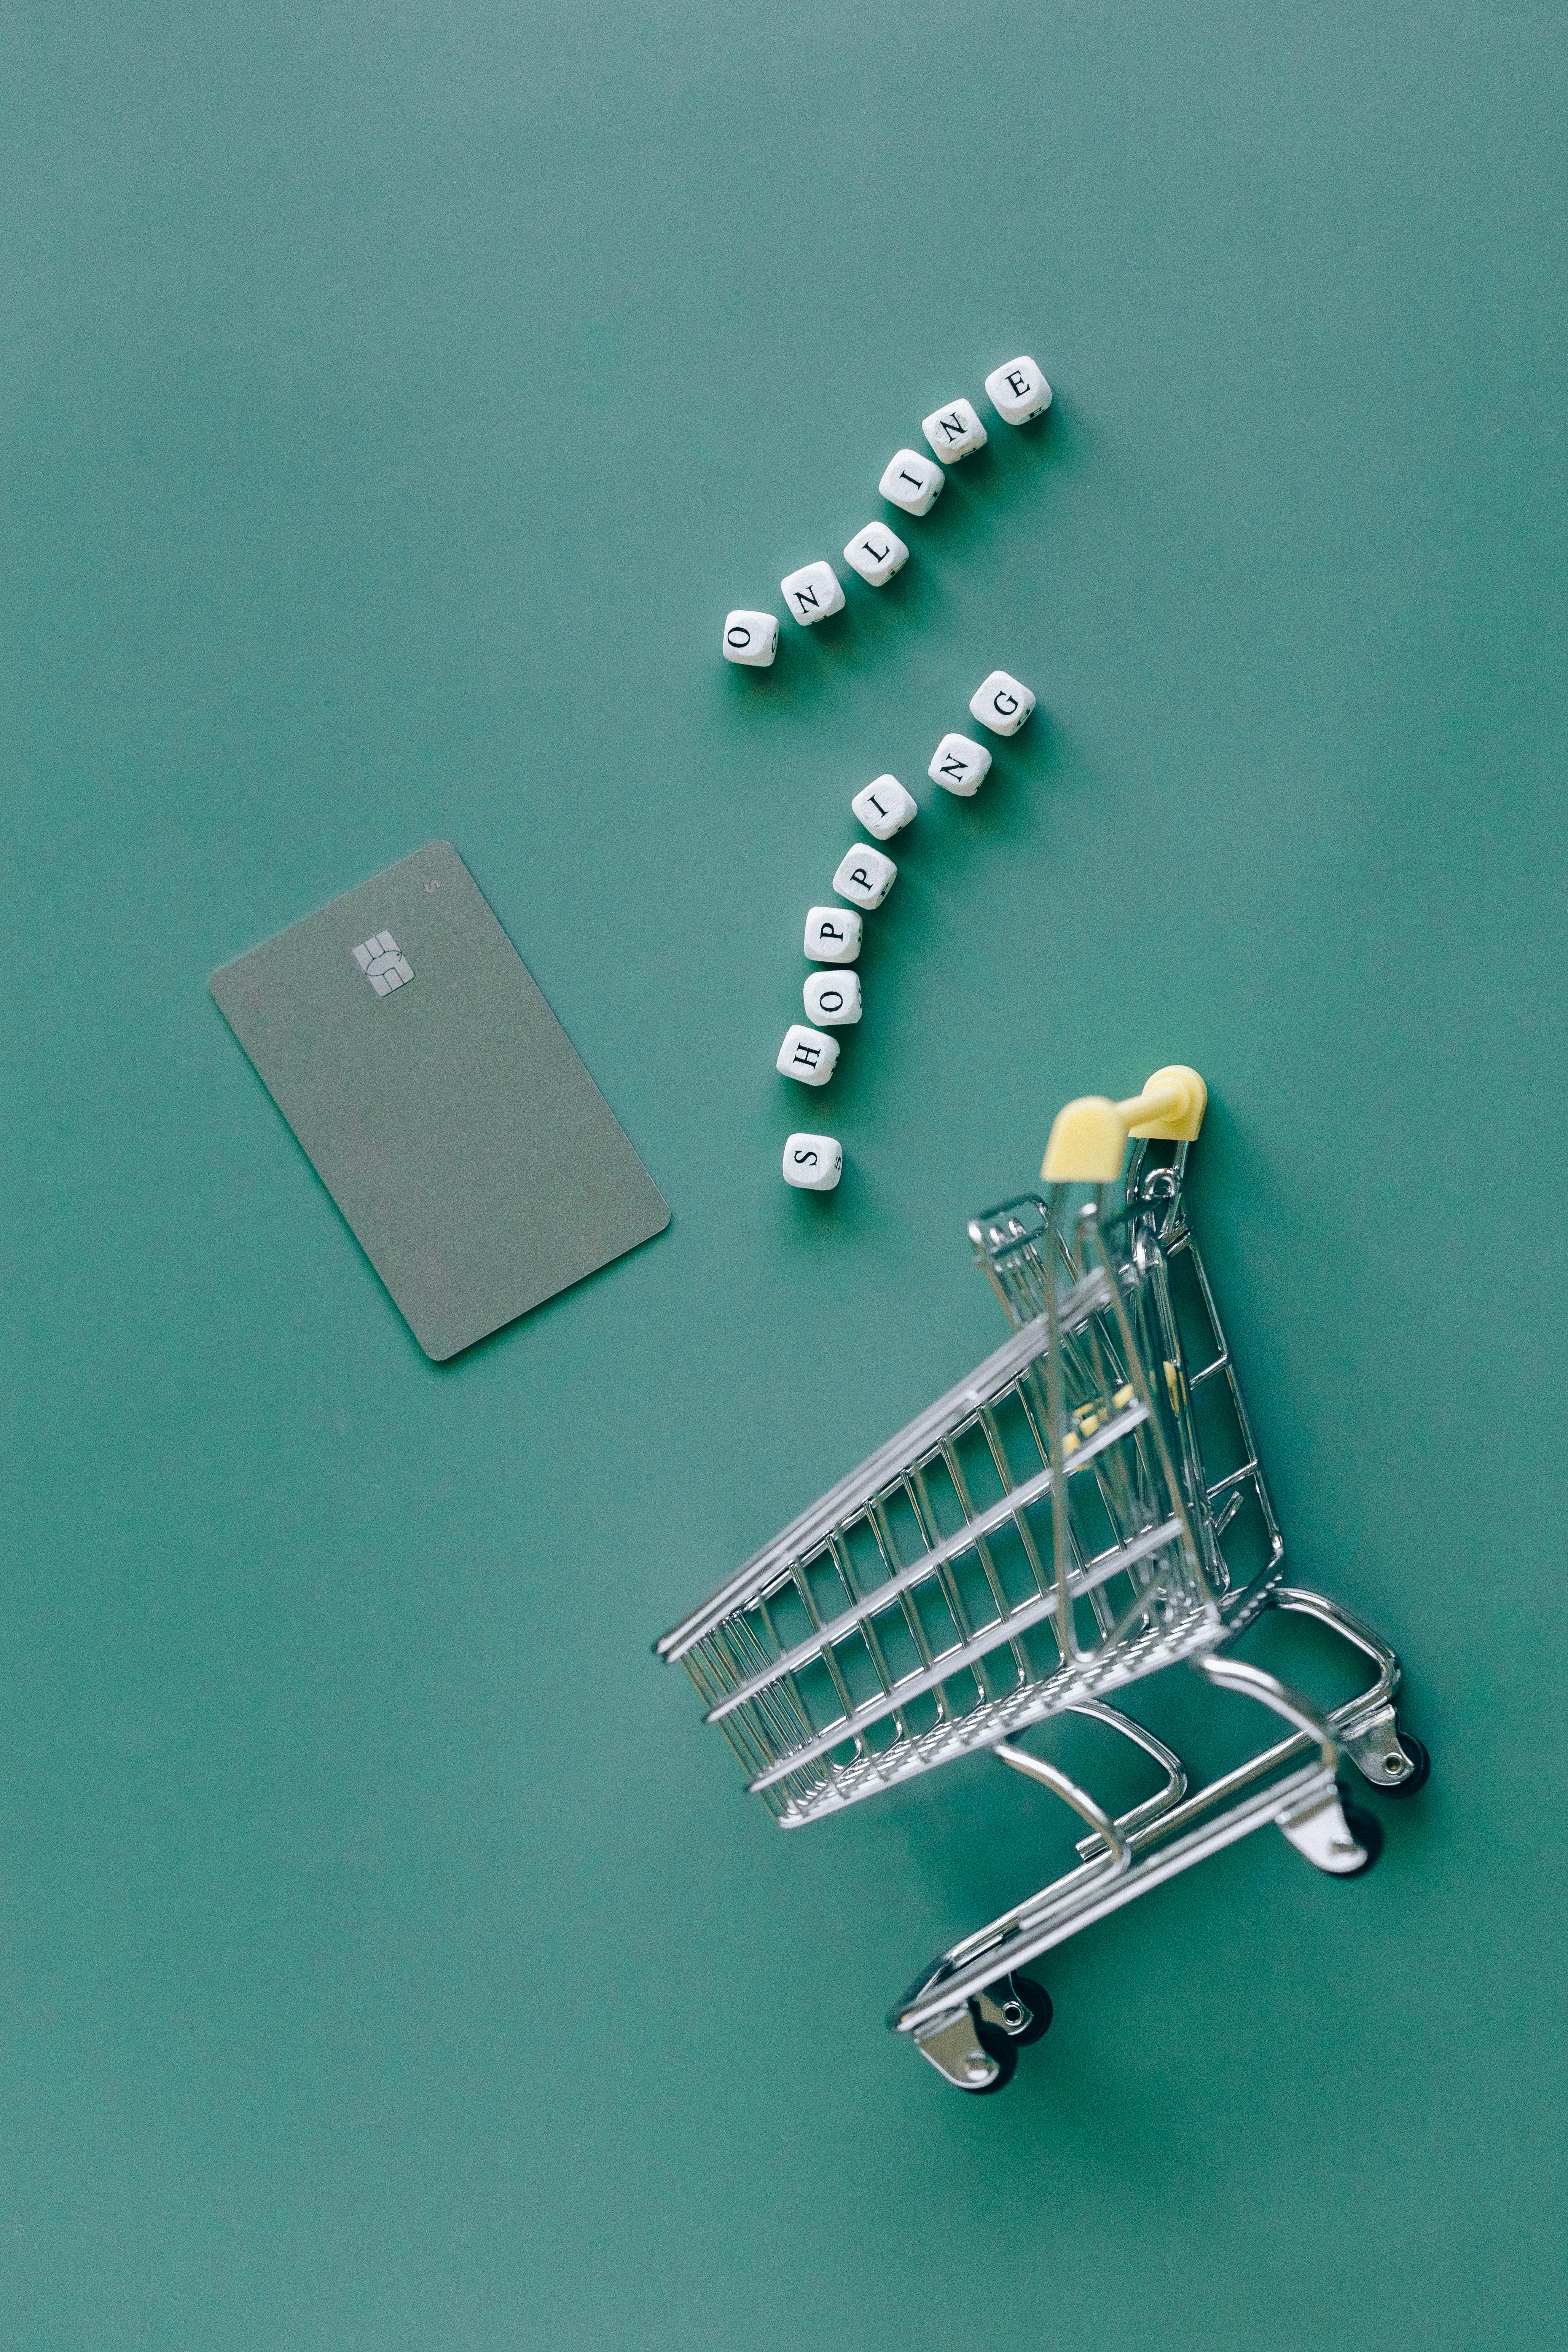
1084,1510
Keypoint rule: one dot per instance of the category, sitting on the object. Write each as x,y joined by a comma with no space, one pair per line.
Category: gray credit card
440,1100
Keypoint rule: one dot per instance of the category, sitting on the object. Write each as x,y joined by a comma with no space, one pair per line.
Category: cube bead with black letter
954,431
865,877
833,999
884,808
750,638
876,554
960,766
813,1164
831,935
913,482
811,594
808,1054
1001,703
1019,391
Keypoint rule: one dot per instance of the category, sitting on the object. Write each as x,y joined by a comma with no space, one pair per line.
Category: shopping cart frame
971,2010
958,2011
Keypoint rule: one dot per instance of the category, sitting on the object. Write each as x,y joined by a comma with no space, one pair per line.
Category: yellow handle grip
1089,1136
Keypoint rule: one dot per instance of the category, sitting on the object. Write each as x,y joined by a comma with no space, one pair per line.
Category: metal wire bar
984,1523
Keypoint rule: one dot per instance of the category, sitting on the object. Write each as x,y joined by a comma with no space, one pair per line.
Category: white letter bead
1002,703
884,808
808,1054
876,554
813,1164
1017,392
954,431
832,936
865,877
813,592
752,638
960,766
913,482
833,999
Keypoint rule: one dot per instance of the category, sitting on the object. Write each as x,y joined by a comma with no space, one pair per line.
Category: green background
393,400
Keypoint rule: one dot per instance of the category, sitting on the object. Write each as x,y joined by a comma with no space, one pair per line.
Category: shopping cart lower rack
1084,1510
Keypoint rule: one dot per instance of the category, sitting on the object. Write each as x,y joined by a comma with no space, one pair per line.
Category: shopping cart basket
1084,1510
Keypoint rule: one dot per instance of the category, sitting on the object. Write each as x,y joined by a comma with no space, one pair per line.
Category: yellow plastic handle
1088,1137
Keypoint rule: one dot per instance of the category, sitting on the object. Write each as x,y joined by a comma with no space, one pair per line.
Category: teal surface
393,400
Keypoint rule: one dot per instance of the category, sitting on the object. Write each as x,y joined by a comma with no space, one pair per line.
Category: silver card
440,1101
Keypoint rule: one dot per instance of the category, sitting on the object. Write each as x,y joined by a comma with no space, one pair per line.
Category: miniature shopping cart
1086,1509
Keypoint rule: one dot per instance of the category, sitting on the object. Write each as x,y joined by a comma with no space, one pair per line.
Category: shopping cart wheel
1412,1781
1034,1996
999,2045
1367,1831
